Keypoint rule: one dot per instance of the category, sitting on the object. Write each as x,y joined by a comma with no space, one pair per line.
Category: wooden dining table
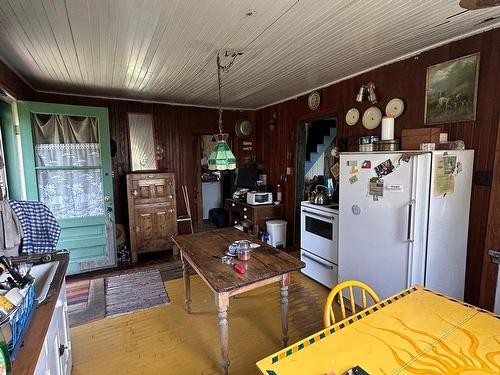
417,331
267,265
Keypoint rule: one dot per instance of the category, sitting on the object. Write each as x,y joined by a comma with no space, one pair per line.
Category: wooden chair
328,314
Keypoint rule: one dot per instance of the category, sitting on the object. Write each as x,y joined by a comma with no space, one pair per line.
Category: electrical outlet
483,178
289,171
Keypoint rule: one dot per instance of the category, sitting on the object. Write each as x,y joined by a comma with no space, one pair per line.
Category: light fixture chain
220,92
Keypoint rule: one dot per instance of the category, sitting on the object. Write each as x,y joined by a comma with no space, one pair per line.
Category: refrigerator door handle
409,232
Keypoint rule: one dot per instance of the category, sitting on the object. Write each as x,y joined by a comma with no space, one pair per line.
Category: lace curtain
62,142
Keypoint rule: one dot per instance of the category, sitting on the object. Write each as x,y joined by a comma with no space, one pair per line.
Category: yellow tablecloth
415,332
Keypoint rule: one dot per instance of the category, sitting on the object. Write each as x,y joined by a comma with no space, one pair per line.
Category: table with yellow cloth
417,331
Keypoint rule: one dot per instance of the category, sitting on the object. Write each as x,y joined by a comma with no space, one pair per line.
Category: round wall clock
314,100
352,117
372,118
395,108
243,128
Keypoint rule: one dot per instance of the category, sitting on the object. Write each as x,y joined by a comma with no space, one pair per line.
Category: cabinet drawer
236,207
319,269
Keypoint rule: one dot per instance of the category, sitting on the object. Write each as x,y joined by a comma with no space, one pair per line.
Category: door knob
135,193
107,198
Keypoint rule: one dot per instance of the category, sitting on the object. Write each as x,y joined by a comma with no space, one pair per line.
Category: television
245,178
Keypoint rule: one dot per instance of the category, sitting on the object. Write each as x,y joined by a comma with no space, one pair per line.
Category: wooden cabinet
257,214
152,212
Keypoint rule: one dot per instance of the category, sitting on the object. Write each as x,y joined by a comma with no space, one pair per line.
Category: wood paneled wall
176,129
15,85
405,79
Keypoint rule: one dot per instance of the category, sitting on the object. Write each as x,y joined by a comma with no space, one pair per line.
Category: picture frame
451,90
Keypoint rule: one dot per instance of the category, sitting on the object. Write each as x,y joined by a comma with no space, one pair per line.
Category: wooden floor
166,340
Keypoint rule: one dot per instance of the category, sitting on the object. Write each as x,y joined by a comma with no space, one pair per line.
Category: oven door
319,232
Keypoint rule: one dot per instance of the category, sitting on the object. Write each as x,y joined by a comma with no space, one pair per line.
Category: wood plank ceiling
164,51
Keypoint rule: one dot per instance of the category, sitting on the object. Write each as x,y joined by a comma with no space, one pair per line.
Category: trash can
277,233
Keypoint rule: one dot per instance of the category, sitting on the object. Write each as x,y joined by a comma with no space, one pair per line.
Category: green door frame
80,261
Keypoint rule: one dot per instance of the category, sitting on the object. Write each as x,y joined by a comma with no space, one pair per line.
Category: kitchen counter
34,336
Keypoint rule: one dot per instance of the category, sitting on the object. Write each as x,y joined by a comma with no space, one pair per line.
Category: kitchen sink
43,274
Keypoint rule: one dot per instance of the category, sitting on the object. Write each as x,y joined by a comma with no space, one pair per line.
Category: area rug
85,301
133,292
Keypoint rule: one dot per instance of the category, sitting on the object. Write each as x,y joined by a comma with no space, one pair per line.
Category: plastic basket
18,320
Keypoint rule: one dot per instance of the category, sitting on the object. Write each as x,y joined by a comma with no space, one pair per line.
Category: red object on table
239,268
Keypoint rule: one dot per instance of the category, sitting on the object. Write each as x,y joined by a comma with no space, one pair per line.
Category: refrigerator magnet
367,164
335,170
353,179
352,163
376,187
354,170
384,168
396,188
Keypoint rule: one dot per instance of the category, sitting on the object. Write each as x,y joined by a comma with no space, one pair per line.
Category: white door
375,236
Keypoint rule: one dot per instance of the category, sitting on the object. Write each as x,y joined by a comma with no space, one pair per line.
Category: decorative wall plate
372,118
395,107
314,100
352,117
243,128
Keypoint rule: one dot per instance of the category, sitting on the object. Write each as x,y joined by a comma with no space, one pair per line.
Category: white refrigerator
409,226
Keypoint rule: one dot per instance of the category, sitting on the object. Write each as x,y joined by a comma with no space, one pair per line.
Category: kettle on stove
319,197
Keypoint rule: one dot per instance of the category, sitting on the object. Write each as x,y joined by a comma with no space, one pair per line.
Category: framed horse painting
451,90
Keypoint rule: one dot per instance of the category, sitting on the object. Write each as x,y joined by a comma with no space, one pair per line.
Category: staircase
320,138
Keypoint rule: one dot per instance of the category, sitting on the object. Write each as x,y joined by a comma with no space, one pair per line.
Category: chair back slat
351,297
337,291
342,307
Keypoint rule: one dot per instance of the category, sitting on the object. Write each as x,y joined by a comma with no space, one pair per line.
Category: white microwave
255,197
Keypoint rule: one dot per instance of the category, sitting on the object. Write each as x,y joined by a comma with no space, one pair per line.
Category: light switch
289,171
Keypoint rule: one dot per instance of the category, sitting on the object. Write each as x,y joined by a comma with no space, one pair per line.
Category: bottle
278,193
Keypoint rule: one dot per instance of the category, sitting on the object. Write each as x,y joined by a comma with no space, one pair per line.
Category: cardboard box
412,138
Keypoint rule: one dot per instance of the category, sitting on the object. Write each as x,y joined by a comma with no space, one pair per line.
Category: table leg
222,302
187,284
284,283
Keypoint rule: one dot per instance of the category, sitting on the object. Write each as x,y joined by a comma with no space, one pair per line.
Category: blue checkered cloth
40,228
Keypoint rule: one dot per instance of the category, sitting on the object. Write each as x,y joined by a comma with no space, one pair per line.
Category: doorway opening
210,187
314,143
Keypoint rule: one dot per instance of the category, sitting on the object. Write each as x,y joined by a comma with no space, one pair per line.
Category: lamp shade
222,157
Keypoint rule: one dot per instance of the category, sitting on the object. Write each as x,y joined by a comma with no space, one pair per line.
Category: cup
244,250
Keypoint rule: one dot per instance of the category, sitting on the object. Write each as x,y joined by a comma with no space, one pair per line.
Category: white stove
319,242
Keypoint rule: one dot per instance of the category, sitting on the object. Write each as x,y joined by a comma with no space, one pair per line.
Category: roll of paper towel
387,128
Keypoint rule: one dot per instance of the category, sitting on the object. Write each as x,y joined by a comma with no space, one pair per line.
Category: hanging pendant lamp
221,158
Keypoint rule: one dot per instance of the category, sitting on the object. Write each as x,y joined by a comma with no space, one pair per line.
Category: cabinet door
166,222
154,226
63,332
153,188
51,361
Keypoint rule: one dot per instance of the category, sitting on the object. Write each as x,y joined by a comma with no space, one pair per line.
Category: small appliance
256,198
